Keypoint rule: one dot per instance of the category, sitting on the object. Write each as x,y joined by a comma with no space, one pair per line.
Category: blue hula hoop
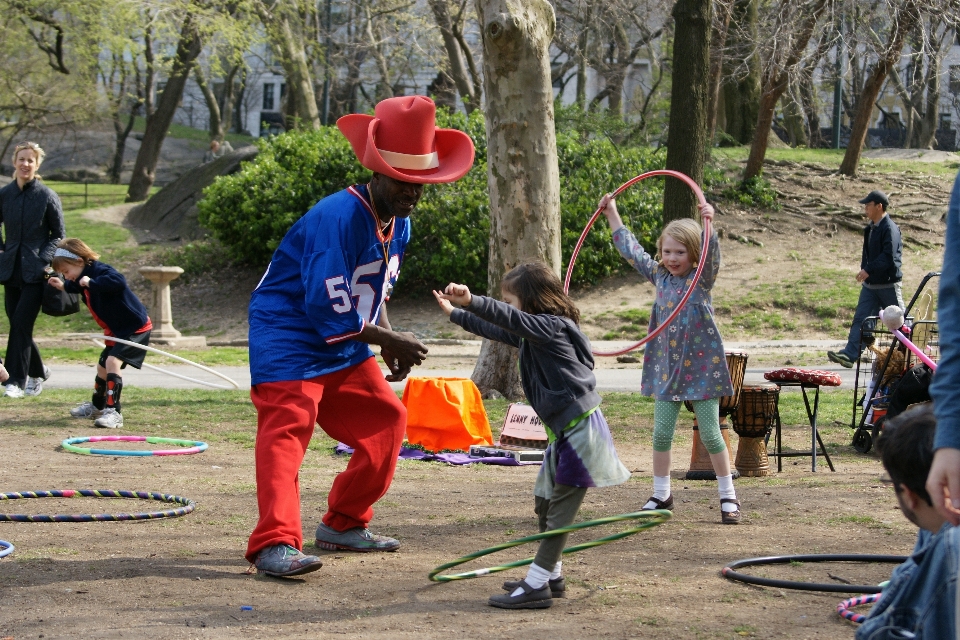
6,548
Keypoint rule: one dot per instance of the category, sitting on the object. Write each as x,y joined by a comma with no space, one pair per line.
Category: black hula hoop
696,276
729,572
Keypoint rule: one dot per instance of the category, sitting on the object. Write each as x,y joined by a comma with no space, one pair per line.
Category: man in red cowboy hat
313,317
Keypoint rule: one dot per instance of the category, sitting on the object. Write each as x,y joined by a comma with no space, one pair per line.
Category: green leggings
665,414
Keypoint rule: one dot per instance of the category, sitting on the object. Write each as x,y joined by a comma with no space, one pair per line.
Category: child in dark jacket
119,313
556,371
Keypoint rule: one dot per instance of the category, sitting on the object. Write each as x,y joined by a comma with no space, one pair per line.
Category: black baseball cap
877,196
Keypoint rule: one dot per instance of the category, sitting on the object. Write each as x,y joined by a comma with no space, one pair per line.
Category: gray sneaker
840,358
283,561
86,410
356,539
110,419
35,385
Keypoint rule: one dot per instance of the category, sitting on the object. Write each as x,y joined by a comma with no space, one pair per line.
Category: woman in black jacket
32,220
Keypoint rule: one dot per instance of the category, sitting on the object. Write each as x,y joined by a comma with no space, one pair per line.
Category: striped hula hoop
843,609
6,548
192,446
649,519
687,180
186,507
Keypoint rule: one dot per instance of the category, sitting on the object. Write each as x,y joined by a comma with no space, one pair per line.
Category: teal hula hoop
650,519
190,446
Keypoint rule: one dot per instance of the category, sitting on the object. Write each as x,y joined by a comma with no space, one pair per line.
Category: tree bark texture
158,123
687,136
903,21
458,67
718,39
300,91
776,78
522,171
741,90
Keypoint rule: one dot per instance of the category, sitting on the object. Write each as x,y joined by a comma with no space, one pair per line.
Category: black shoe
661,504
729,517
558,586
530,598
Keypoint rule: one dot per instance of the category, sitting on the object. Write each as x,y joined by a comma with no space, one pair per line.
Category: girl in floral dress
686,361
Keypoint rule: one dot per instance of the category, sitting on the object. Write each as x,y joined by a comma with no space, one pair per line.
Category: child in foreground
119,313
686,361
556,371
920,600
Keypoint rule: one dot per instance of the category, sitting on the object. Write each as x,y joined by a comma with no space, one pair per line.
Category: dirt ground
186,577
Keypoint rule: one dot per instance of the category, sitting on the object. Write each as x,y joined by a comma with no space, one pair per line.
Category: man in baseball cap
313,317
879,274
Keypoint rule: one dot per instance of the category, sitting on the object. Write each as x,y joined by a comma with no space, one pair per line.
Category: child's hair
77,247
906,448
688,233
540,291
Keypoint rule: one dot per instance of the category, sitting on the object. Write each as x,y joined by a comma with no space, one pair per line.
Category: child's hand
706,212
3,374
445,305
609,207
55,282
458,294
84,281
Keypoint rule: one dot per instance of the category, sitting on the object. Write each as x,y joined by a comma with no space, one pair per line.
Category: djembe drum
701,468
752,421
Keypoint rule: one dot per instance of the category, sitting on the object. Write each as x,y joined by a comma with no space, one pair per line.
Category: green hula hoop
650,519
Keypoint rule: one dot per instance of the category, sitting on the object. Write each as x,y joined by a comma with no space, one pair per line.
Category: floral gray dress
686,361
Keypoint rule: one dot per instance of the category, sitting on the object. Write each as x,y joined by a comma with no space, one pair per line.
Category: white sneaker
35,385
86,410
13,391
109,419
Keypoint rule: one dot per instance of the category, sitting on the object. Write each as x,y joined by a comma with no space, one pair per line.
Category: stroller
895,379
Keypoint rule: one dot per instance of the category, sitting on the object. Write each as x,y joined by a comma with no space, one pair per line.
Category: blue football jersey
327,279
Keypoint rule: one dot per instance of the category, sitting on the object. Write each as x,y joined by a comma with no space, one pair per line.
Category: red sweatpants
355,406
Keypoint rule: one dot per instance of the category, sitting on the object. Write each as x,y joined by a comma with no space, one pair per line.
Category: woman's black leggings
22,305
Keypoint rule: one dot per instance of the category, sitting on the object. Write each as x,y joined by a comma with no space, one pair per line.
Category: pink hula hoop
696,276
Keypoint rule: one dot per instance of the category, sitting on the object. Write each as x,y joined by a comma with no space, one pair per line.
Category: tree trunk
776,78
227,98
122,132
299,82
158,123
718,39
741,92
522,171
458,68
903,21
687,134
213,107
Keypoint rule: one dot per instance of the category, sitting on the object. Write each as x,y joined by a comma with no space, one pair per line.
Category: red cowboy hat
401,140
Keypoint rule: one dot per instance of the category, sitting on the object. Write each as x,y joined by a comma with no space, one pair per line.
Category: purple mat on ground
409,453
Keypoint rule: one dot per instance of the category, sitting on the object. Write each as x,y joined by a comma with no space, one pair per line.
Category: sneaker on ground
34,387
282,561
86,410
109,419
356,539
840,359
12,391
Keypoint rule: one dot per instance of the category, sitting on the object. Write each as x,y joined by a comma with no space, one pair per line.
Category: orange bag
445,413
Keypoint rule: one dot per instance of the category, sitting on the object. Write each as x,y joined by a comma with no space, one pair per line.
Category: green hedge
251,210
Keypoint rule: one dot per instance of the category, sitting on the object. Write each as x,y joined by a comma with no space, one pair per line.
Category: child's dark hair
540,291
76,246
906,448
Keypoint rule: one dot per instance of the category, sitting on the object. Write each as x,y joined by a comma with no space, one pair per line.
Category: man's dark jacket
882,251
